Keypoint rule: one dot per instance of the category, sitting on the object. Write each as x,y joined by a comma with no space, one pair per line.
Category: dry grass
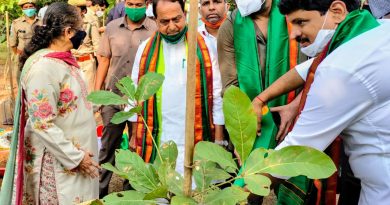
3,53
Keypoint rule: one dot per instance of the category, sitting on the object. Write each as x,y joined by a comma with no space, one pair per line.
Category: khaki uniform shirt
22,31
120,44
91,41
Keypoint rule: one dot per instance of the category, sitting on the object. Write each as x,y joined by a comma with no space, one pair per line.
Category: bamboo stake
10,69
190,106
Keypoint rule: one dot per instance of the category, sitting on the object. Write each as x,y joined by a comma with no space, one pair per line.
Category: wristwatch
223,143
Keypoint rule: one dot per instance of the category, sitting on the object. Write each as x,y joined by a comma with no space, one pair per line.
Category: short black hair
289,6
98,2
181,2
83,9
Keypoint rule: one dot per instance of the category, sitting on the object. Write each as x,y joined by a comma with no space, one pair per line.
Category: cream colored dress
60,122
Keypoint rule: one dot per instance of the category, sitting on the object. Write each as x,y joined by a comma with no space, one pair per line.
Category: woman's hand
88,167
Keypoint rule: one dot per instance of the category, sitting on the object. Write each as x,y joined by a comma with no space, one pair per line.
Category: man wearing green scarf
166,53
253,51
347,90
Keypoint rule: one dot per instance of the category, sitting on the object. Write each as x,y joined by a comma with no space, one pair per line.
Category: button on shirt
120,44
350,96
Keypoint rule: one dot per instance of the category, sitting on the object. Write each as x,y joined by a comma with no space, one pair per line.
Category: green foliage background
15,12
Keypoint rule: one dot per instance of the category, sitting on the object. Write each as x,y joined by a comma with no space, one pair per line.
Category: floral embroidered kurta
59,124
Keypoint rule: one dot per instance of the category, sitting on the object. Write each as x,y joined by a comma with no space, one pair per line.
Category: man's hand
102,29
258,108
132,143
133,136
238,157
287,114
87,166
16,51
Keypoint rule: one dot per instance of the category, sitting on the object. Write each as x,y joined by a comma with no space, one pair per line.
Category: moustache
213,16
302,40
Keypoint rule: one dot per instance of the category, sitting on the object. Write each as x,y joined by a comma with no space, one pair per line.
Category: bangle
262,101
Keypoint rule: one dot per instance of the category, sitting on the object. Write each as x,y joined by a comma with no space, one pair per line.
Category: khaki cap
77,2
21,2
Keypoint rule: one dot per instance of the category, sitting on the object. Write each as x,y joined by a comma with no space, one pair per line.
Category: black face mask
78,38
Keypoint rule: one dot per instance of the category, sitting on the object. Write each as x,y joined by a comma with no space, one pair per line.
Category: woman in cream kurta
60,125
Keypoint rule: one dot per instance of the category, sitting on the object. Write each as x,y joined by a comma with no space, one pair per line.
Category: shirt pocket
118,47
24,34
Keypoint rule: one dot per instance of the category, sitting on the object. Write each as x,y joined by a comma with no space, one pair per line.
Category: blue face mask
30,12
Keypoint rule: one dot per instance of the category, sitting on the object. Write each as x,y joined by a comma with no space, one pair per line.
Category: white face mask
149,11
248,7
99,13
322,39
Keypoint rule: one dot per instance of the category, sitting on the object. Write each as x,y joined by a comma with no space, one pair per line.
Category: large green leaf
126,198
205,172
143,177
127,87
228,196
181,200
103,97
122,116
162,171
240,120
258,184
148,86
160,192
299,160
175,182
168,151
215,153
110,167
255,162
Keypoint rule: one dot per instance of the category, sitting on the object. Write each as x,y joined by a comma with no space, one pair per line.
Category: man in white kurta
350,97
173,102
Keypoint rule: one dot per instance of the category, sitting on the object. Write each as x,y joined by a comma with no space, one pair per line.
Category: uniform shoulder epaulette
18,19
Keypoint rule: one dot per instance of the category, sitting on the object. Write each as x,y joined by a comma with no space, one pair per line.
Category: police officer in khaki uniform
22,30
85,54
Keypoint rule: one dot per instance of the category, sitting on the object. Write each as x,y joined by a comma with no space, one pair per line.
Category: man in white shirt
213,14
349,96
166,53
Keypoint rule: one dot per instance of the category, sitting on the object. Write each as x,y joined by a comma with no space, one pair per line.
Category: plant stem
154,142
217,185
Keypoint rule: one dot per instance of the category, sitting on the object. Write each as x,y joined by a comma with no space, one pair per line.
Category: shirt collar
145,24
35,20
202,29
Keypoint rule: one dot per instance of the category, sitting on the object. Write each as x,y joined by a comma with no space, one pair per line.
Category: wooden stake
10,63
190,106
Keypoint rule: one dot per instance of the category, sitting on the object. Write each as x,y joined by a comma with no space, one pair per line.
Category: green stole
248,67
152,61
356,23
